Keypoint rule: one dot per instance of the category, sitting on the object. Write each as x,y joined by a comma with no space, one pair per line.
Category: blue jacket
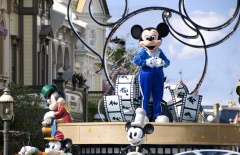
140,59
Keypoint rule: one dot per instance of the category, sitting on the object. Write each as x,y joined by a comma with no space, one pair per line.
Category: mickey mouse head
150,38
57,143
136,134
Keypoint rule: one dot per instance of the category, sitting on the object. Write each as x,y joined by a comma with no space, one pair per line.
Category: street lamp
59,80
6,112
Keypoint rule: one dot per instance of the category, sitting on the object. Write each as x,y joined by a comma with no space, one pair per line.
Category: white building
68,52
95,35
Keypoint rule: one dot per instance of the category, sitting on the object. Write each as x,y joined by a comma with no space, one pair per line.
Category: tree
122,57
28,115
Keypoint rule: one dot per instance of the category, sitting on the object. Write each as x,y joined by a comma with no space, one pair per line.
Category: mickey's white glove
150,62
27,150
158,62
48,115
47,122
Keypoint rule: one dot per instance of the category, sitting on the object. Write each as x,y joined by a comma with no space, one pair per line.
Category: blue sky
223,71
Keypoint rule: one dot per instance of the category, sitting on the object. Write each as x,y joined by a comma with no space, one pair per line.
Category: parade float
132,110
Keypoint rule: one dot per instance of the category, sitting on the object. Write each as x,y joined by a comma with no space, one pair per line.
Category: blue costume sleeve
167,62
140,59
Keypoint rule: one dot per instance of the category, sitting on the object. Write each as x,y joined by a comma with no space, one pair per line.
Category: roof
227,114
46,30
211,106
82,3
57,18
117,40
105,7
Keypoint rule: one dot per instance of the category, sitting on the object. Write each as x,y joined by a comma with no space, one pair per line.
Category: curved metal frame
166,15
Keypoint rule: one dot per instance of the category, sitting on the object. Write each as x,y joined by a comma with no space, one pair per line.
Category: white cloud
189,53
209,19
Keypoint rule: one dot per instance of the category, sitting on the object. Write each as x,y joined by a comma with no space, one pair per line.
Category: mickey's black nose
130,136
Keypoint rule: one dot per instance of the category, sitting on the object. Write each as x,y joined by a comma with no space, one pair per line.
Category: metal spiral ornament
166,16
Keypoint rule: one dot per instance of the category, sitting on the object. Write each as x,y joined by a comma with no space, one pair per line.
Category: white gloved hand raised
150,62
27,150
158,62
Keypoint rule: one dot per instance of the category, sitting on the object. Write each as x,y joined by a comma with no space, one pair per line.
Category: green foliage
118,54
92,110
28,116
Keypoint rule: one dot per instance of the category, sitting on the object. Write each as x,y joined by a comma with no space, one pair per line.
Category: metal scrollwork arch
166,16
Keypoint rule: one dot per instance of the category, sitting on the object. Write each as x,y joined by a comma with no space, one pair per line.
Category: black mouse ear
62,94
67,143
128,126
148,129
136,31
163,30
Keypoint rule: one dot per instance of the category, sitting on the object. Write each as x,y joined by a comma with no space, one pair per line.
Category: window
92,38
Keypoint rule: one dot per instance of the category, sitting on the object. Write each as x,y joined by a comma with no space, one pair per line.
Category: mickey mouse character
152,60
136,134
56,146
59,110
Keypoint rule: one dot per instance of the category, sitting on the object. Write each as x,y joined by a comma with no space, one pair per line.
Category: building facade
37,41
30,36
5,9
95,36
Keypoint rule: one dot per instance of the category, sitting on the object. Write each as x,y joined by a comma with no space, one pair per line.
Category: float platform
177,137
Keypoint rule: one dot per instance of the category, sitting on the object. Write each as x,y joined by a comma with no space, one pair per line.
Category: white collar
154,53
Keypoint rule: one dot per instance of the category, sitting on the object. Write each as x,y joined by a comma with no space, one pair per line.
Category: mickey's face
136,136
52,103
53,148
56,99
150,39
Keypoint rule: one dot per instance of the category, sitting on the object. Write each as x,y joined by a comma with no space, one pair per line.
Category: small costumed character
136,133
152,61
56,146
59,110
